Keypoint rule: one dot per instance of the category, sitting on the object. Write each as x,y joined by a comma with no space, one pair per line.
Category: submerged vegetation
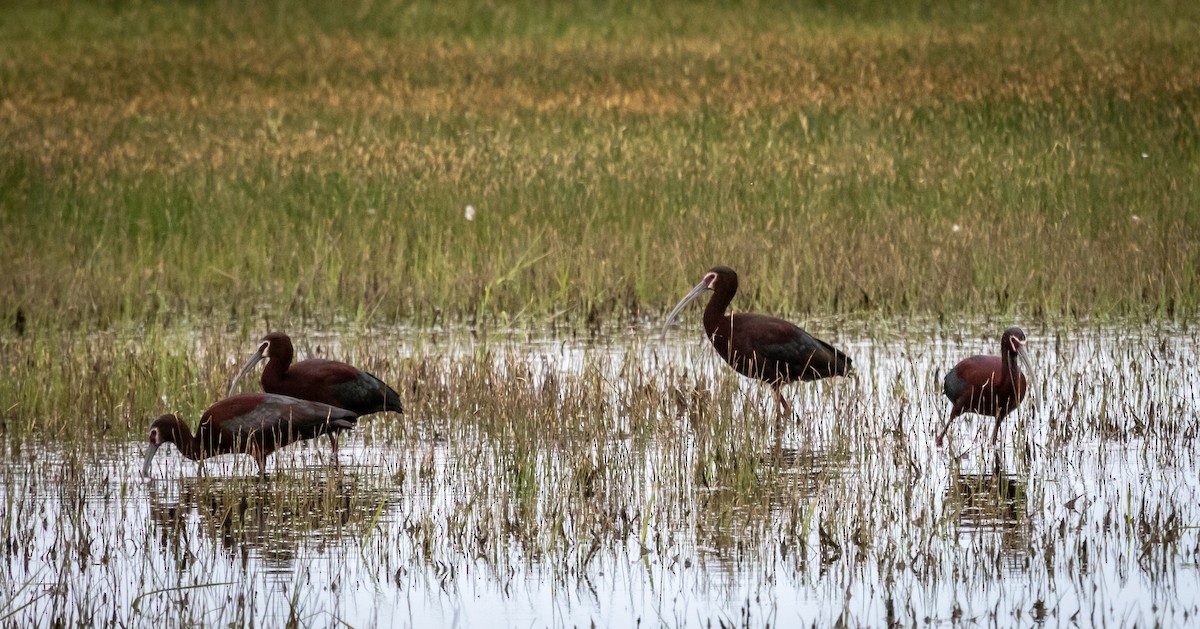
314,161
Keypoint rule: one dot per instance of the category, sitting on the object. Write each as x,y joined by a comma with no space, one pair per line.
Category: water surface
546,482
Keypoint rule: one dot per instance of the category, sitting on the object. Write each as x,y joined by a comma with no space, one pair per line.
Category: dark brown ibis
760,346
988,385
320,380
252,423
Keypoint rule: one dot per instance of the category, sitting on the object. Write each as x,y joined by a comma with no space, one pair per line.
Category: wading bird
988,385
760,346
320,380
252,423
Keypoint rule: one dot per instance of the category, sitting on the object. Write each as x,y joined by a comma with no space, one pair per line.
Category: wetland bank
902,179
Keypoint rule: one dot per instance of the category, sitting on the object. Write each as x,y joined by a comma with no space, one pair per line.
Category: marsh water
570,481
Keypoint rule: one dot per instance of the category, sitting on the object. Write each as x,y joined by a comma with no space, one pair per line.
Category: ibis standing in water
319,380
252,423
988,385
760,346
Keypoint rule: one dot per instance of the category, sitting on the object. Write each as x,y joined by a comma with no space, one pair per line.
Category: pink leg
954,412
784,407
261,458
996,429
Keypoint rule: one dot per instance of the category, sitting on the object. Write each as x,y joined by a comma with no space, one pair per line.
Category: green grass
309,161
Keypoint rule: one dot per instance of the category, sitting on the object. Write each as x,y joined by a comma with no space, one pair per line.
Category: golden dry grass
211,159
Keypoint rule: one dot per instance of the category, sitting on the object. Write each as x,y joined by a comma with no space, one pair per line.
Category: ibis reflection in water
275,520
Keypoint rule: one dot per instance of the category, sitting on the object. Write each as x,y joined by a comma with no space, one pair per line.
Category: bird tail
342,423
391,401
843,365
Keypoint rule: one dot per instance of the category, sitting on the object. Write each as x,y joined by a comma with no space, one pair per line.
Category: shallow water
643,482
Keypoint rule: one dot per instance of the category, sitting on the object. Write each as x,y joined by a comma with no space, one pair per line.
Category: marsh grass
161,162
177,179
601,469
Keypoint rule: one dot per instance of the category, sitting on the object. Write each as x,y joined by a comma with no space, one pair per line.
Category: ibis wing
279,413
368,394
347,386
972,377
322,371
782,343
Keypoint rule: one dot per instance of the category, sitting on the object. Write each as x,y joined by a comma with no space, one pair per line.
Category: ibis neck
279,361
714,312
281,356
276,368
188,444
1011,366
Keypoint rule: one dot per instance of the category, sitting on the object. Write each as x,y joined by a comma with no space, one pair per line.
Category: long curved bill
257,356
1026,363
687,299
150,450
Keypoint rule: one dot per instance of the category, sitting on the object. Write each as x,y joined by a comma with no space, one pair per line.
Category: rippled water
701,509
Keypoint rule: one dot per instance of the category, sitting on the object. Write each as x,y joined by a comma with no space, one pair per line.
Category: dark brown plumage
253,423
319,380
759,346
988,385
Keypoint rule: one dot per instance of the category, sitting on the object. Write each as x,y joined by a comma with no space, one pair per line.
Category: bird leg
777,446
996,428
334,449
942,433
784,407
259,458
954,412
